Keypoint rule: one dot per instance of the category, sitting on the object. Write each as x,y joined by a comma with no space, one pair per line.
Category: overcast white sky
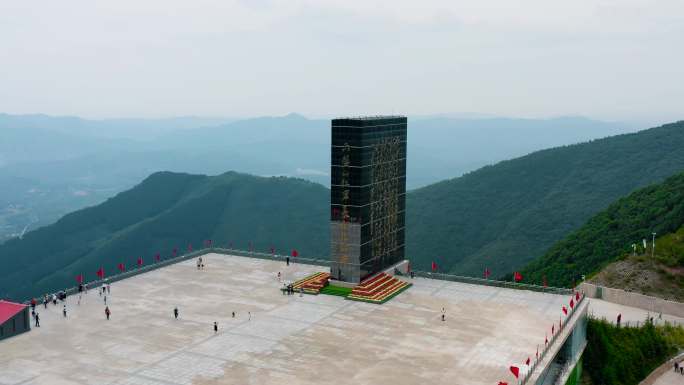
606,59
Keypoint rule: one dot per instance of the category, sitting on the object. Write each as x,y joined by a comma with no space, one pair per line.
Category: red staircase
378,289
313,283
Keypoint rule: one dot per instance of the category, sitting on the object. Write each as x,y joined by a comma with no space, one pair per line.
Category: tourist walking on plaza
64,311
37,320
54,299
45,300
287,261
676,365
175,312
107,312
233,314
215,327
250,316
109,288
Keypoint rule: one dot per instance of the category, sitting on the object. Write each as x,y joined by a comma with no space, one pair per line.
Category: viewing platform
274,338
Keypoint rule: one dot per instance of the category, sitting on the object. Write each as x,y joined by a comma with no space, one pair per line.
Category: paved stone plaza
289,339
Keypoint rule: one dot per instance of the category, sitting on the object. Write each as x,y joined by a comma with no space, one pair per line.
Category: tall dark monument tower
368,195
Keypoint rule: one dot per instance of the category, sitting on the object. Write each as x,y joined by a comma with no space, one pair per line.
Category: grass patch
336,290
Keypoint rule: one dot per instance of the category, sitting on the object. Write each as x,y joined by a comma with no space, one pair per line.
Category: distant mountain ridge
500,217
80,162
167,211
503,216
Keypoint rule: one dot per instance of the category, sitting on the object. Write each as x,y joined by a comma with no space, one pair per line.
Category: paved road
632,315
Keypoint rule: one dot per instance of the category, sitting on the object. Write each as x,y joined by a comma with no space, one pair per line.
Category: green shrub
627,355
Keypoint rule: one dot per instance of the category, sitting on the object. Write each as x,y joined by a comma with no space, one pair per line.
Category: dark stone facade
368,195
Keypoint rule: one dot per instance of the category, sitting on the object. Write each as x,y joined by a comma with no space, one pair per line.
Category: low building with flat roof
14,319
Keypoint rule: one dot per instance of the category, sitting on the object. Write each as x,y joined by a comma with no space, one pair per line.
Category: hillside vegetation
506,215
55,165
499,217
627,355
167,211
660,275
610,234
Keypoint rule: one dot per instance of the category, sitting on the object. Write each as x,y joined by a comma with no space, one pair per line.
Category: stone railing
491,282
552,349
626,298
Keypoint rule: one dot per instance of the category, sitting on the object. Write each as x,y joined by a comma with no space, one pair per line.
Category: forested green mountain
506,215
66,163
167,211
500,216
610,234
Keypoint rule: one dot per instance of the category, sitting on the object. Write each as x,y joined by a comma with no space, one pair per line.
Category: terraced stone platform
378,289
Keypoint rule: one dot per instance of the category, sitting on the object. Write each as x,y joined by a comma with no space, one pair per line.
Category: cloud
612,59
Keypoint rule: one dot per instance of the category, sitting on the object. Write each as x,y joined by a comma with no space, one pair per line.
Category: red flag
434,266
140,261
79,278
295,253
122,267
518,277
572,304
487,273
515,370
156,257
100,273
528,361
577,296
503,383
565,310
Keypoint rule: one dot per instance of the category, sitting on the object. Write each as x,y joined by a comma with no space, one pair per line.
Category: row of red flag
573,302
80,278
487,273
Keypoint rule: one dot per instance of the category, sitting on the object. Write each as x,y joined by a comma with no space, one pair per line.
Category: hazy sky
608,59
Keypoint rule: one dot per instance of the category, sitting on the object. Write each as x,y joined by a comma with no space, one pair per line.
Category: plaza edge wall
621,297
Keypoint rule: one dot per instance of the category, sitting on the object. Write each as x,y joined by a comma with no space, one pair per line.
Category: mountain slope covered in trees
500,217
610,234
503,216
167,211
